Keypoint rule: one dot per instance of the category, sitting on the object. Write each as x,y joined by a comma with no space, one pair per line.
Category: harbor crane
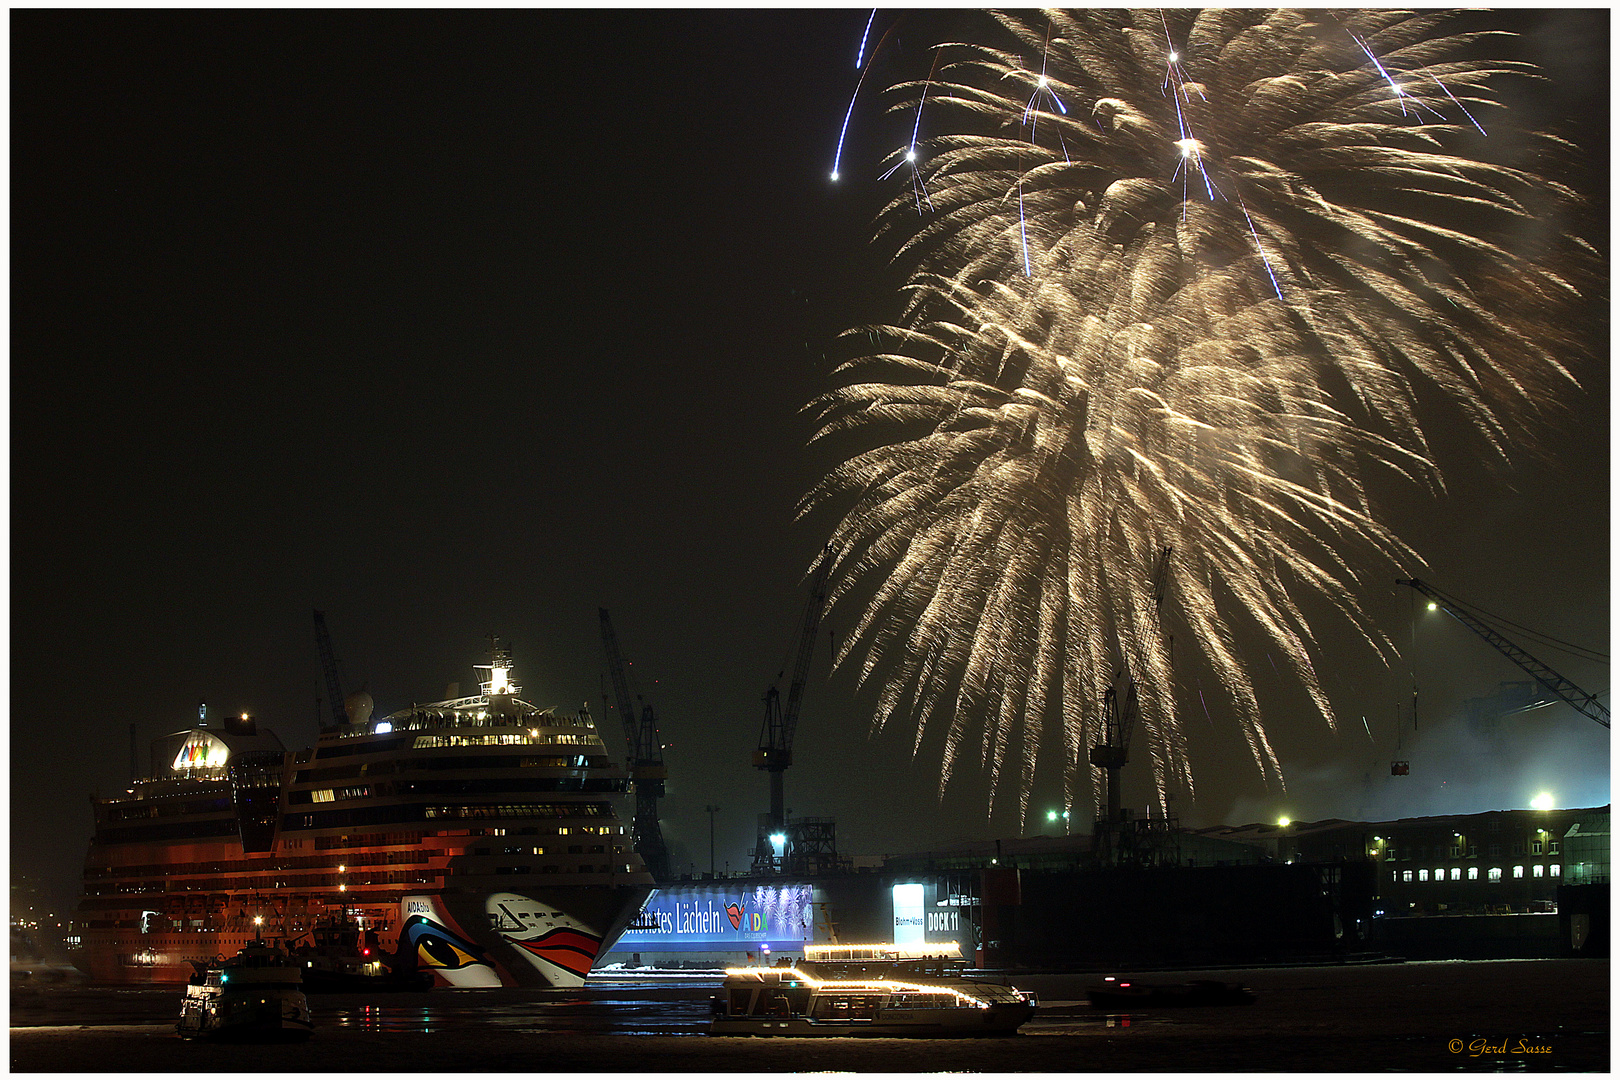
334,688
775,751
1119,717
1582,702
646,750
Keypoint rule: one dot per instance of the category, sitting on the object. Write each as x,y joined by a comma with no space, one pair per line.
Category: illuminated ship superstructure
479,838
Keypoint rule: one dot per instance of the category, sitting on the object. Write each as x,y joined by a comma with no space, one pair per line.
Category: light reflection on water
616,1006
614,1009
611,1006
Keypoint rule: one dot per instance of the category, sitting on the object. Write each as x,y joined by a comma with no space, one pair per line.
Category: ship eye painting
438,947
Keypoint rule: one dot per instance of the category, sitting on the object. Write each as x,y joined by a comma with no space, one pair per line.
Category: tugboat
257,995
883,990
340,957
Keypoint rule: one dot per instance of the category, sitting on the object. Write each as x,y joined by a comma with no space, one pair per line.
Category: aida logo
752,922
201,751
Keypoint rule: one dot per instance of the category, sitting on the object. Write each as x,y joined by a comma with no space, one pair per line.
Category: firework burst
1184,279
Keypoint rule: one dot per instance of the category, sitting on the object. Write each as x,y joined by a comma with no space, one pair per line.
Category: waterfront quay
1518,1015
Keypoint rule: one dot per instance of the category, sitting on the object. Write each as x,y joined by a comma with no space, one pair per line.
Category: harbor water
1532,1015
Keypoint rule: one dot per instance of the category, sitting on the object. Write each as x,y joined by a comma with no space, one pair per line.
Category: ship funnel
359,706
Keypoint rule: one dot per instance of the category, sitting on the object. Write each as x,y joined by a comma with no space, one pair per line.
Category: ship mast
499,667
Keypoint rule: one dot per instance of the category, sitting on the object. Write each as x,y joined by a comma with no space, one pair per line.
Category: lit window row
522,739
1493,874
332,794
564,810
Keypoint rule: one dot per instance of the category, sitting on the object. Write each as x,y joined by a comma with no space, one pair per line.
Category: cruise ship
478,838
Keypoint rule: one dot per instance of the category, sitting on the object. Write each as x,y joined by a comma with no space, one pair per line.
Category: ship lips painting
570,949
735,914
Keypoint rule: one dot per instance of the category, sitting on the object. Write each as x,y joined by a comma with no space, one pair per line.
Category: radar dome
359,707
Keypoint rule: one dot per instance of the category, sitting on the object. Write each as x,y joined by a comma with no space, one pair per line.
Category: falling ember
1100,360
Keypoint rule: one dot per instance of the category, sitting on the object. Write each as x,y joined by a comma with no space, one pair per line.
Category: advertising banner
908,914
714,918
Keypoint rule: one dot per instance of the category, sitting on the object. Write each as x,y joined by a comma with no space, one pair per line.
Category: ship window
1456,873
1494,873
1406,875
1423,875
1554,870
1473,873
1535,871
1518,871
324,795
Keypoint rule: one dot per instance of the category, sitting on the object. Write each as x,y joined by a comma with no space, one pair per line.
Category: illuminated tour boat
477,839
886,990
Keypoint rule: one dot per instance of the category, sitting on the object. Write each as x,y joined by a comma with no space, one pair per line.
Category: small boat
1123,995
257,995
867,990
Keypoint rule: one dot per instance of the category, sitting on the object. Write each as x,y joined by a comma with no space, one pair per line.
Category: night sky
456,324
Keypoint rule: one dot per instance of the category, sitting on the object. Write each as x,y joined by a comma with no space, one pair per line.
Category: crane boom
775,751
334,689
646,758
807,650
621,686
1586,704
1119,719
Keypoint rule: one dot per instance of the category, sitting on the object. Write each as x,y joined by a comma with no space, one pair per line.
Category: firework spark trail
919,189
1095,362
860,54
1463,108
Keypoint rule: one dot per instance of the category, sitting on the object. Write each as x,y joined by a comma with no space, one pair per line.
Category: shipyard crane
646,752
1119,716
775,751
334,689
1586,704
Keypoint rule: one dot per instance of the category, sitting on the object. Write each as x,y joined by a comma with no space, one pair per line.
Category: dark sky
457,324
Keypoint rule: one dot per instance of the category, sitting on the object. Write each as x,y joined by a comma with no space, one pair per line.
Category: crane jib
1582,702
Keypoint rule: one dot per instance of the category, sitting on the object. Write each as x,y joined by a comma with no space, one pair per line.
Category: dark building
1503,883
